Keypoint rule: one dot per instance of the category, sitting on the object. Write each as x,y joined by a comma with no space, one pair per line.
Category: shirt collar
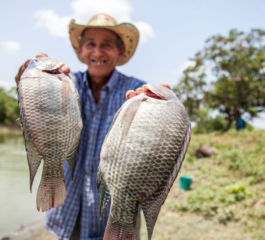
112,81
110,84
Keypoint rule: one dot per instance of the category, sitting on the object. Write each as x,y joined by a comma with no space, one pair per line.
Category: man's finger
165,85
41,55
130,94
139,91
65,69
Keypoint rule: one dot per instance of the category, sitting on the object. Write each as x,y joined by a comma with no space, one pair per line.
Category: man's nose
98,51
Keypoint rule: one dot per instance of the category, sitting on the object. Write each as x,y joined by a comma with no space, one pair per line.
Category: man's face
100,52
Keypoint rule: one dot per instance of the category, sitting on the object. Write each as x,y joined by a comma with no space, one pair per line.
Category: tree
9,111
237,64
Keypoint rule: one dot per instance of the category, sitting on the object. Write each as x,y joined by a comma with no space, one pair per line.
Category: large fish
51,121
140,159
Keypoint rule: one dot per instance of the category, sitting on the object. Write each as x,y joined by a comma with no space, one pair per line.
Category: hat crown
102,19
126,31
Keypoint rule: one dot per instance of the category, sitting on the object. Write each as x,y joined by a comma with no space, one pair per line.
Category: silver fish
51,121
140,159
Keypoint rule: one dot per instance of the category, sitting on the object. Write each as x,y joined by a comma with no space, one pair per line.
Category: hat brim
126,31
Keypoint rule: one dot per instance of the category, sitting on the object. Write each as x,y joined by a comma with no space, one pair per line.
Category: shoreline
10,129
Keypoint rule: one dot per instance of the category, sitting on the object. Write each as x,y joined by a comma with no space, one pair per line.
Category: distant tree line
228,75
9,111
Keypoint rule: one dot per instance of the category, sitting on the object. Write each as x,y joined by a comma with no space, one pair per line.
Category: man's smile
98,62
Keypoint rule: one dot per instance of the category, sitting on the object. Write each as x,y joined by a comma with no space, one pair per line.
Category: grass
227,192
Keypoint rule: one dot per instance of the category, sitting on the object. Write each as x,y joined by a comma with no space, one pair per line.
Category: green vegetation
9,111
228,185
235,67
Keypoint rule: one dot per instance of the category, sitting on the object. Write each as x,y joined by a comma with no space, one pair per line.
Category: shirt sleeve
136,83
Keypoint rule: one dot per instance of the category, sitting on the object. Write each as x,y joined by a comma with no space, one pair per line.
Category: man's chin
99,73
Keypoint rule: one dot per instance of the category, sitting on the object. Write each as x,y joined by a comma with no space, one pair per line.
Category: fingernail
130,94
139,91
145,88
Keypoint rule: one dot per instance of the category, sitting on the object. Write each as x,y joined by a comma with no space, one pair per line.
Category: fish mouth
53,72
152,94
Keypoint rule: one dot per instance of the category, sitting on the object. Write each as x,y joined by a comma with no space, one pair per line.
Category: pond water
17,204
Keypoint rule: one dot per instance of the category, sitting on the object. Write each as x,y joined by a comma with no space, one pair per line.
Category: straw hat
126,31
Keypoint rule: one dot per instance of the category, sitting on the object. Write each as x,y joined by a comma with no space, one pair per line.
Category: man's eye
90,44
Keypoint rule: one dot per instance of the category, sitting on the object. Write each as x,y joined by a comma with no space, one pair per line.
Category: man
102,44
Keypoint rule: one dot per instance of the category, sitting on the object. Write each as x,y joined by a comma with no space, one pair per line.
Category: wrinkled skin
140,159
51,120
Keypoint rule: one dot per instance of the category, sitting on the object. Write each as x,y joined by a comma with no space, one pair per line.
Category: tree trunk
228,124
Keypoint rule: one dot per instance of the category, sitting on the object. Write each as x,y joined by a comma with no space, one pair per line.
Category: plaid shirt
97,119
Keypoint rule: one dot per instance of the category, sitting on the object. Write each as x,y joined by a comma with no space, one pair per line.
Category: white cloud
118,9
11,46
57,26
146,31
83,10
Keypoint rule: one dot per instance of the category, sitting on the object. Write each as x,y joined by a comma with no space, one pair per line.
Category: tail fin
119,230
51,193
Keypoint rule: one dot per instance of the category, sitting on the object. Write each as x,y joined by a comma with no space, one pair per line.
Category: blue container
185,182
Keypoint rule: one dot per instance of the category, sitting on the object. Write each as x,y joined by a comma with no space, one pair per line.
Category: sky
171,32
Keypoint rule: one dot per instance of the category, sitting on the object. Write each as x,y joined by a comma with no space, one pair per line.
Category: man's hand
131,93
65,69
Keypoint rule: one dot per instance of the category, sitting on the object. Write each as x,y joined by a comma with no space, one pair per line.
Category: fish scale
140,161
51,121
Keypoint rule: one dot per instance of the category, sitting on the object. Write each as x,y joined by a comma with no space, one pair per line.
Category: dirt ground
176,226
172,226
45,235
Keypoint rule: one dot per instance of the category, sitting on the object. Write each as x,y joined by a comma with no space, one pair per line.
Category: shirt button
94,118
86,175
91,138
